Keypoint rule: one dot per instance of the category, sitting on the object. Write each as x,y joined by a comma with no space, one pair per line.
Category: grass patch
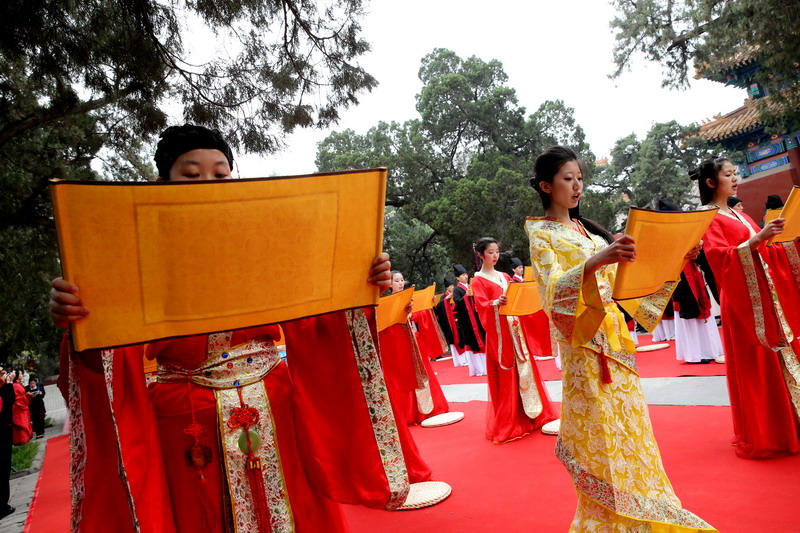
22,456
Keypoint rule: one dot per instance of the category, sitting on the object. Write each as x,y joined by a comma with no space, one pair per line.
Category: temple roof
741,120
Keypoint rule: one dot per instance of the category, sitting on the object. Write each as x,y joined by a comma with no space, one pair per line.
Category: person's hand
380,274
65,305
500,302
410,307
771,229
694,252
622,249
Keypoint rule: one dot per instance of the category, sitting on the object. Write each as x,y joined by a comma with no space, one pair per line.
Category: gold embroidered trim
241,498
231,367
77,443
652,307
528,391
423,391
750,269
794,260
791,375
624,503
376,395
499,329
107,357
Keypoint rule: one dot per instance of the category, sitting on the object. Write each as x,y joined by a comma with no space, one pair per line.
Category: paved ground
658,391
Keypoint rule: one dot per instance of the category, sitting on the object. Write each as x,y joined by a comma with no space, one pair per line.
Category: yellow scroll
663,238
771,215
528,274
523,299
392,309
791,212
437,299
423,299
159,260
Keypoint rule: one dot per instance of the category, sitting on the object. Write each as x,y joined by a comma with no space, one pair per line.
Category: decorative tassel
257,489
605,373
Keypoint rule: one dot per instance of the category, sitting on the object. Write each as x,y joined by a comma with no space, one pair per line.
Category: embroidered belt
241,365
258,493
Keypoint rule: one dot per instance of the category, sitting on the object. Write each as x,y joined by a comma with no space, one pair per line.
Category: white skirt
476,363
459,359
697,339
665,331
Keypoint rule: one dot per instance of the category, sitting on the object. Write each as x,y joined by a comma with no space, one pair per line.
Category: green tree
681,35
462,168
640,173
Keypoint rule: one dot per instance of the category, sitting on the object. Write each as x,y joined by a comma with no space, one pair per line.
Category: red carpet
50,505
656,364
521,487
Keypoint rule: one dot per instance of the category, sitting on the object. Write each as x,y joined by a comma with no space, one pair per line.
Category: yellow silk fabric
606,440
158,260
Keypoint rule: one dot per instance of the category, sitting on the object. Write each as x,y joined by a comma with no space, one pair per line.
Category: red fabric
21,429
330,452
339,457
785,282
505,417
525,475
429,339
536,328
105,504
401,376
764,421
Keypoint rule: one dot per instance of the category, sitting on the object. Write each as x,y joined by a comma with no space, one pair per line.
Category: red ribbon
243,417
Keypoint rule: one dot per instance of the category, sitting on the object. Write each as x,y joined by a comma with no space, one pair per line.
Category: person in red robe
22,431
536,326
518,401
758,328
229,438
417,392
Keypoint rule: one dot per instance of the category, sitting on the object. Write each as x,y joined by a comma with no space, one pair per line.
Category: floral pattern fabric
606,440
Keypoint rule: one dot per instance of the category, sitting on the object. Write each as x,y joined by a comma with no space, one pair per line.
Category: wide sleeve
569,297
113,430
743,283
347,435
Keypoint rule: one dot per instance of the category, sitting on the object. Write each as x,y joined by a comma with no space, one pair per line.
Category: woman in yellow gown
606,440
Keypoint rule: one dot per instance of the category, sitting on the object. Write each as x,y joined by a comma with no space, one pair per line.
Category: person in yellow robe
606,439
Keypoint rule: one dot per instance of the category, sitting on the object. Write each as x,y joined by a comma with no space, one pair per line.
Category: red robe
21,416
506,418
430,338
323,418
765,421
398,353
536,328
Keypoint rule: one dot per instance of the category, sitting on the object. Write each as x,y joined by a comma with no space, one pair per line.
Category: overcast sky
550,50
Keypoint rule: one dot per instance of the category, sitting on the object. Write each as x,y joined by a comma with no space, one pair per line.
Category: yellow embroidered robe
606,440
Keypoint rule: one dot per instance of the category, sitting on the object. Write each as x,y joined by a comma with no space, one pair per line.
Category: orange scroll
523,299
159,260
527,274
392,309
791,212
424,299
663,238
